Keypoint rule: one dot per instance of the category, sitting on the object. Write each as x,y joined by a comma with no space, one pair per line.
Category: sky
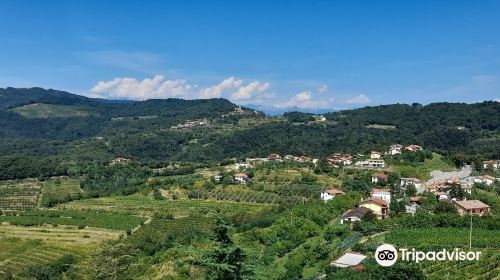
310,55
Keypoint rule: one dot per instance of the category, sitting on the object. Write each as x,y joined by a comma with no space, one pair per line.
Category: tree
444,207
225,261
369,217
397,207
411,190
456,191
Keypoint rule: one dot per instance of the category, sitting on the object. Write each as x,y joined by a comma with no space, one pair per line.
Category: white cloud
360,99
323,89
158,87
306,100
133,89
216,91
250,91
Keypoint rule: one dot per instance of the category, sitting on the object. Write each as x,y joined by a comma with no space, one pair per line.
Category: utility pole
470,232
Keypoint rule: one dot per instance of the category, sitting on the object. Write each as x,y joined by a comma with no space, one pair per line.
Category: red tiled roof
375,200
472,204
334,191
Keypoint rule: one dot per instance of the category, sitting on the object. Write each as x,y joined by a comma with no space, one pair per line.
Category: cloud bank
232,88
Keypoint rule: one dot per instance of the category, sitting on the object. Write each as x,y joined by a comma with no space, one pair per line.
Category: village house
241,178
119,160
379,177
472,207
330,193
217,178
354,215
414,148
384,194
242,165
395,149
410,181
495,164
290,157
371,163
337,159
487,180
379,206
415,202
274,157
376,155
442,195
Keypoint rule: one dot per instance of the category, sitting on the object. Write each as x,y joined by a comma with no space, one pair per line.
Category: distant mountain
274,111
40,126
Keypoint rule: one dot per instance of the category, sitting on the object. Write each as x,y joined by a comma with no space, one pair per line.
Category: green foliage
51,271
76,218
225,261
119,178
445,208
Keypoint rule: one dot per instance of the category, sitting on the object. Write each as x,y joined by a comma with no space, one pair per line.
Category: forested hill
44,130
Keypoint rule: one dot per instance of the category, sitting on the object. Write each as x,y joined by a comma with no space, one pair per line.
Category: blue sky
286,54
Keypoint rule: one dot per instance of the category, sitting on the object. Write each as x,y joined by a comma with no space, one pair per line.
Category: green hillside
40,110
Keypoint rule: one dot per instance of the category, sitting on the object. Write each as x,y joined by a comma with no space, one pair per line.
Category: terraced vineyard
18,254
19,196
76,218
146,206
488,267
60,190
60,234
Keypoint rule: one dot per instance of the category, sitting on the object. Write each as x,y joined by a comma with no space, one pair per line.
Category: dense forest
49,132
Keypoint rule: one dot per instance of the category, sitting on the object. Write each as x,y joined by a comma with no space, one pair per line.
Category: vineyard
243,195
18,254
76,218
443,238
146,206
19,196
488,267
59,190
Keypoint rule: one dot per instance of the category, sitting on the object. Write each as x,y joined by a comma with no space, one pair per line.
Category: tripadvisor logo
387,255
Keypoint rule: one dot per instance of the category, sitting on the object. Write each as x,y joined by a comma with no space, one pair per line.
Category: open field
40,110
422,170
18,196
144,205
75,218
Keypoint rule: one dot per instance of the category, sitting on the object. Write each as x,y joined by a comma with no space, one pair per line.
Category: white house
495,164
354,215
411,181
241,178
330,193
376,155
217,178
371,163
379,177
384,194
242,165
487,180
414,148
395,149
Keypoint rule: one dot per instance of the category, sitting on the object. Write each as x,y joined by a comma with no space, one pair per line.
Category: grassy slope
422,171
40,110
